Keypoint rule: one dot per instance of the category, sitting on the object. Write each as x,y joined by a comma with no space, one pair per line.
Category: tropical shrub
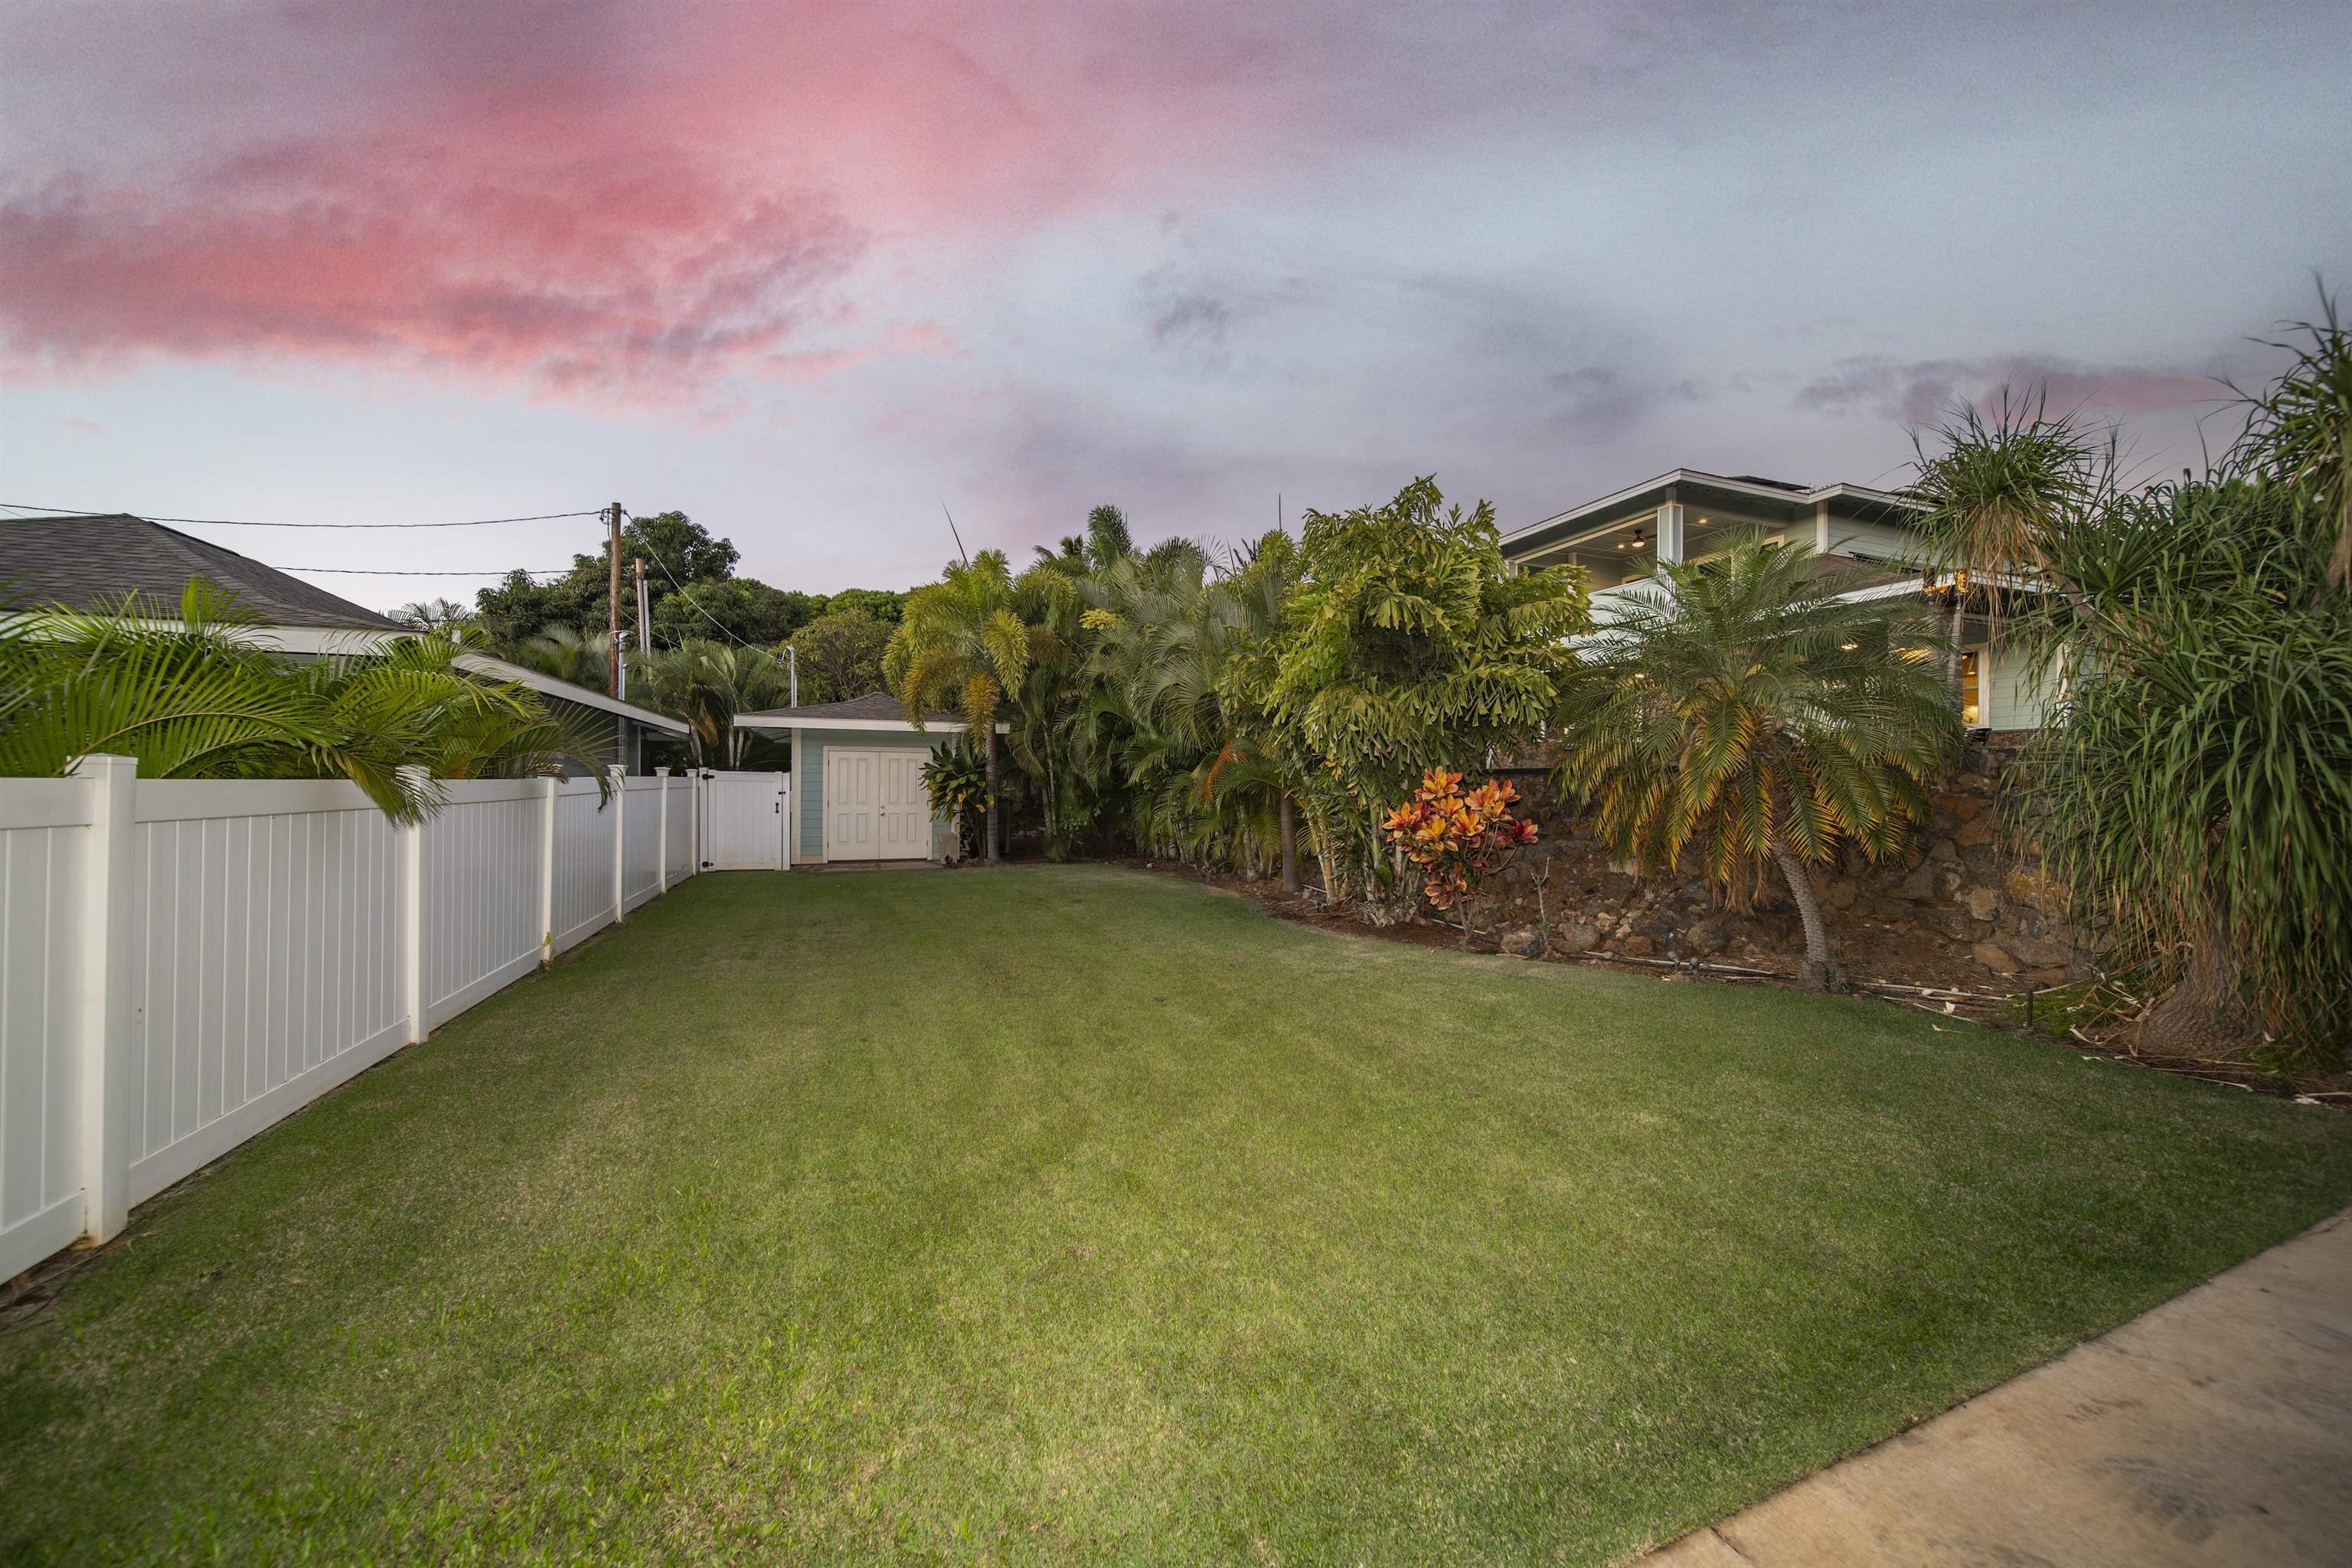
956,778
1456,837
1408,644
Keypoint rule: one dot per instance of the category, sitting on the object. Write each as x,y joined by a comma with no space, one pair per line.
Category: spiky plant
2298,431
1747,713
1995,485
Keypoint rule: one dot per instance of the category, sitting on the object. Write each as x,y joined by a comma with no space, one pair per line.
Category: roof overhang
548,685
1692,487
882,726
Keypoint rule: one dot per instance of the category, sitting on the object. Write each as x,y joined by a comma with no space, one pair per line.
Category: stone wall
1959,910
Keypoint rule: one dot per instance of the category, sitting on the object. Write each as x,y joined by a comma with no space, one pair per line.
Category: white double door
875,805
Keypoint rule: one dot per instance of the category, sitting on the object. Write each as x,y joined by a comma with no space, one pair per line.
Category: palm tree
1752,713
707,683
202,699
1994,492
567,653
960,641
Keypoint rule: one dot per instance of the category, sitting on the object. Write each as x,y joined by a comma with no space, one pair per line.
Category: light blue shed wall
808,772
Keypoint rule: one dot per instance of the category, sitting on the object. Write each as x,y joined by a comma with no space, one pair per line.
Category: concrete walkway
2215,1430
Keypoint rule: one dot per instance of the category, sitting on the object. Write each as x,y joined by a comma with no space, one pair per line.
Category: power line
243,522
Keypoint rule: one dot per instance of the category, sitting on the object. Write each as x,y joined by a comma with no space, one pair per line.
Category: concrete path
2215,1430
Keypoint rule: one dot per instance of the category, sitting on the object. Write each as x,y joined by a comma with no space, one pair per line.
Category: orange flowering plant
1457,837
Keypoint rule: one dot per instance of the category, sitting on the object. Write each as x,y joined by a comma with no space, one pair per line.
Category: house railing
184,962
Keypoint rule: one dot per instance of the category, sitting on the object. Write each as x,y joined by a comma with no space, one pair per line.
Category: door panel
906,809
744,818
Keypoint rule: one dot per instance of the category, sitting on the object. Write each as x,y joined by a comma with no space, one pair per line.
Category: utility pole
793,663
613,550
644,614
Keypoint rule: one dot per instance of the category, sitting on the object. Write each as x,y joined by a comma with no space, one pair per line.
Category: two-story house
1867,543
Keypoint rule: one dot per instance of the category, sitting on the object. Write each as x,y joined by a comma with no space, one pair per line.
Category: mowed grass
1078,1216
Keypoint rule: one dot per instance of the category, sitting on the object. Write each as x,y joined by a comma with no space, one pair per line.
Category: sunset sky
811,272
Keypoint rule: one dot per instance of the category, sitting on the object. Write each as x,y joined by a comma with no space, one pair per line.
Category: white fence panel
266,963
641,860
677,802
584,862
43,841
182,962
481,922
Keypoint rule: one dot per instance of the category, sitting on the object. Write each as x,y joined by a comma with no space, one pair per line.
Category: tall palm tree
960,641
1996,488
1764,720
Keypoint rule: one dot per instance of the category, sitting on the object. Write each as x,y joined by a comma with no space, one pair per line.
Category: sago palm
1750,715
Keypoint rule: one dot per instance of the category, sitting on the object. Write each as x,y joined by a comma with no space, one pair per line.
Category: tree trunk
1289,846
1819,973
1953,653
2207,1014
995,834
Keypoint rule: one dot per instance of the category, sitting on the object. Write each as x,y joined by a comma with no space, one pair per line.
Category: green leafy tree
1740,708
1410,644
840,655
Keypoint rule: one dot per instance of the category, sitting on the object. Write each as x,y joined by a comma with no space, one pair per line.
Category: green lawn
1078,1216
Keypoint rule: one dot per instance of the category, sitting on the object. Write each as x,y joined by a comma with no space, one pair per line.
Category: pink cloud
1921,392
590,197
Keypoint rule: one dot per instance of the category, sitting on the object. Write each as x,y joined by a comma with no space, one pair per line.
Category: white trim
886,726
483,663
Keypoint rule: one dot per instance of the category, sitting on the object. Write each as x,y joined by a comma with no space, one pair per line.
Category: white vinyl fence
182,962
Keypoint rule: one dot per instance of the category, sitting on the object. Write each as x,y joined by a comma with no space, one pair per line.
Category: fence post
550,789
412,915
694,823
620,836
109,888
661,851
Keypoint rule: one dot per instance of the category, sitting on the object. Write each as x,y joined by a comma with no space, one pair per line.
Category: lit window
1969,709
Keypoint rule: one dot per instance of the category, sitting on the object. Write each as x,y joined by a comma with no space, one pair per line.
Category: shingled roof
87,562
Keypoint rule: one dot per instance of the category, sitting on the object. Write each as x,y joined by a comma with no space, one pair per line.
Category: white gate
743,820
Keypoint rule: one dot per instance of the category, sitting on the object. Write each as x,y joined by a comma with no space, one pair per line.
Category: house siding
808,775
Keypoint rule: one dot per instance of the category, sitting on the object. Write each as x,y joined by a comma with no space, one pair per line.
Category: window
1971,679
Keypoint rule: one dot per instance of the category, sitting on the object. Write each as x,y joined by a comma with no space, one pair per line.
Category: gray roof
873,705
87,562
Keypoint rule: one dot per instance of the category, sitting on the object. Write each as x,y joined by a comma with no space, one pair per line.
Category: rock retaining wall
1959,910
